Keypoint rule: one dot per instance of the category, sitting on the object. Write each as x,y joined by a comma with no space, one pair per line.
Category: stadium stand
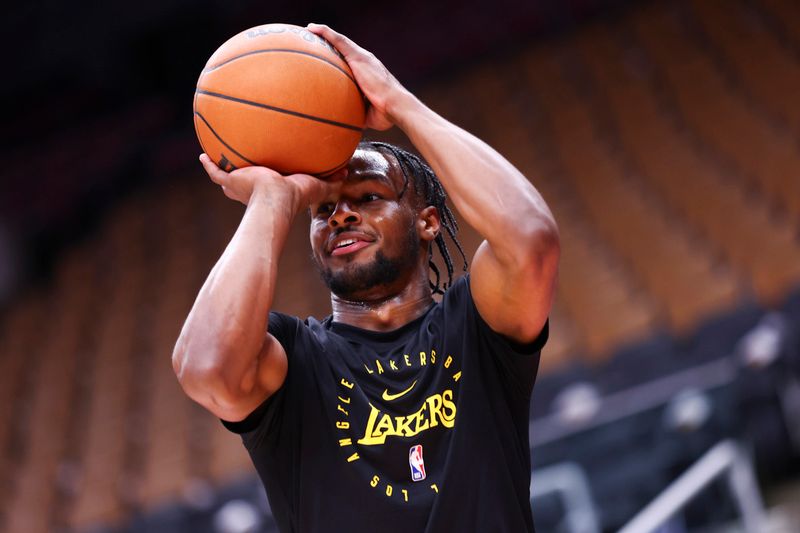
666,142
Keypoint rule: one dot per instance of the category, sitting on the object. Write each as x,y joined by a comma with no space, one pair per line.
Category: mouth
348,243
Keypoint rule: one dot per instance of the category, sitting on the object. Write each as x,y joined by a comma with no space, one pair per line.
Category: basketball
278,96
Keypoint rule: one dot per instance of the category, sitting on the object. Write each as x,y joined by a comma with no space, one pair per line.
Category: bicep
513,300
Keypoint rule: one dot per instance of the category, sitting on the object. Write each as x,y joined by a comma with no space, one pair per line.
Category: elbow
530,249
540,250
203,377
179,357
195,374
193,365
546,239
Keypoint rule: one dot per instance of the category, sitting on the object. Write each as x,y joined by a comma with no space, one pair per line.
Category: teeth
345,242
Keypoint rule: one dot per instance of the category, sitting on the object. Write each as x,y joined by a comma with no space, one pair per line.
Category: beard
355,279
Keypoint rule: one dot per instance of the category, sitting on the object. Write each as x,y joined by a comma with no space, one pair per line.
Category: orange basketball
278,96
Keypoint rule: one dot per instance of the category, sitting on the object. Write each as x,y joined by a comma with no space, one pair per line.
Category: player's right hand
376,82
297,191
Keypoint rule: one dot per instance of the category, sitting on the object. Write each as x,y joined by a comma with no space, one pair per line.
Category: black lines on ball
220,139
282,50
280,110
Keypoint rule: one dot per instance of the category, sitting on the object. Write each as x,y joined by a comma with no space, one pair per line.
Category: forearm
489,192
225,330
513,272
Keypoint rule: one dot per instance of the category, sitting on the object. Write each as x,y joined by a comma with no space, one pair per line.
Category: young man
396,413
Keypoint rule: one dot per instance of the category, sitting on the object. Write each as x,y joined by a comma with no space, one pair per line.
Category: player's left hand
374,79
292,192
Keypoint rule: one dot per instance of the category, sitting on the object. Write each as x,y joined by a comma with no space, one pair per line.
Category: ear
428,223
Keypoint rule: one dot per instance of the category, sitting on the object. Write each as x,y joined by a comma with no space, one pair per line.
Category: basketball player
399,412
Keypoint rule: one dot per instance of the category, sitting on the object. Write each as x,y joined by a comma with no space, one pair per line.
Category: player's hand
374,79
296,191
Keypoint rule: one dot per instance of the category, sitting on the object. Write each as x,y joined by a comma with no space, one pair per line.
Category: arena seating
666,143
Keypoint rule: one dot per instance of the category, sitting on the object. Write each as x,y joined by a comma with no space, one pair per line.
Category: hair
429,189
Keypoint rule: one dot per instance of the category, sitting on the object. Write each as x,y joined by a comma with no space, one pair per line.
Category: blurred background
665,135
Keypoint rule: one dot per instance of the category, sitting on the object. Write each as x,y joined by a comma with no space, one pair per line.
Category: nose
343,215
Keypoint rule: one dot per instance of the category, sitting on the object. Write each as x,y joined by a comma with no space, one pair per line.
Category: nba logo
417,463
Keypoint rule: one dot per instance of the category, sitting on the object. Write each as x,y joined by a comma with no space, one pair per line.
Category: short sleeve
267,416
517,364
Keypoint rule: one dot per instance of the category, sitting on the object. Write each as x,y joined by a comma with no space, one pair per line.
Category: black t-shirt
421,429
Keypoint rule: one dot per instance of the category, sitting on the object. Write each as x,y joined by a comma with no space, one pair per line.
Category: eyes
325,209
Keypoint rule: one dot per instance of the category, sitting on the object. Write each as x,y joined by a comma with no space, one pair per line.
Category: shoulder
458,295
294,332
458,302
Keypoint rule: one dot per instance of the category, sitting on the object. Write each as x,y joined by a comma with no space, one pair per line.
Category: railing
725,459
569,481
638,399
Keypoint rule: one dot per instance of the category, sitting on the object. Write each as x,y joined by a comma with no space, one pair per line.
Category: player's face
365,241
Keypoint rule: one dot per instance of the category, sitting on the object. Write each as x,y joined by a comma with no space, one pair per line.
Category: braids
430,190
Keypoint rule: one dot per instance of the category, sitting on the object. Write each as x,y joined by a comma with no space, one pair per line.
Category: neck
385,310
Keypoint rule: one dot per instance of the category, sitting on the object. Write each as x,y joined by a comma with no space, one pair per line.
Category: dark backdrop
98,94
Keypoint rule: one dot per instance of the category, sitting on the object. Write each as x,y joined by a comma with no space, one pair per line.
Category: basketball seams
279,110
196,130
293,129
321,173
282,50
215,134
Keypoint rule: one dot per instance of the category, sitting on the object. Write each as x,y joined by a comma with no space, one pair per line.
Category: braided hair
430,190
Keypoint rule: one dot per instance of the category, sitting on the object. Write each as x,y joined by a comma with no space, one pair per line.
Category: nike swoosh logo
389,397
